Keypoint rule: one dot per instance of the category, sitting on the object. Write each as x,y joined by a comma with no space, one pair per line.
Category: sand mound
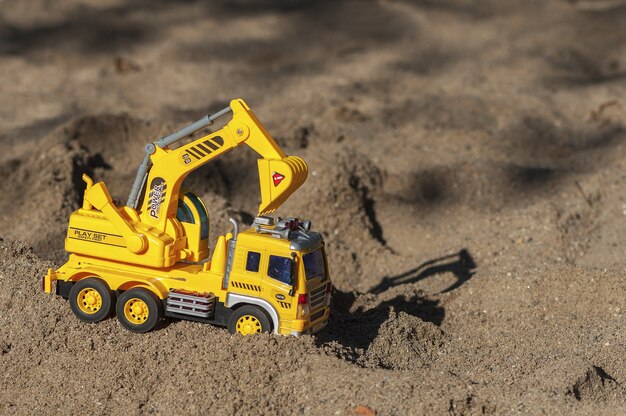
404,342
52,174
597,386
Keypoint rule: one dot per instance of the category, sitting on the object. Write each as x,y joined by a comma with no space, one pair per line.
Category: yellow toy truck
147,260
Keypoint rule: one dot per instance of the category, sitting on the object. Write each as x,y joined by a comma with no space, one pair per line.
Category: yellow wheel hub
136,311
89,300
248,324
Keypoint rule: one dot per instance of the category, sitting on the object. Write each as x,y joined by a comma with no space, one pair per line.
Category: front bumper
313,327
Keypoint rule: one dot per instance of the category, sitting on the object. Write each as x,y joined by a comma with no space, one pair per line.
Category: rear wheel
91,300
249,320
139,310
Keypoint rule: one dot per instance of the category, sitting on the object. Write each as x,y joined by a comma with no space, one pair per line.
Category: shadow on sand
461,264
356,317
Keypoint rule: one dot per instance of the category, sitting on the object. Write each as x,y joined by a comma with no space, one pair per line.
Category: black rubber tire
155,309
107,296
258,313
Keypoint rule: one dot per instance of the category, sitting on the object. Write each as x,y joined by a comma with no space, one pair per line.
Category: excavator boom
172,225
279,175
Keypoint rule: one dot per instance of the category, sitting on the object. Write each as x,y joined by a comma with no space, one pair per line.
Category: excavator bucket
279,178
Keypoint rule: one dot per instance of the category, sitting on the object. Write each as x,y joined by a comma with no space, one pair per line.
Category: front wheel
91,300
249,320
139,310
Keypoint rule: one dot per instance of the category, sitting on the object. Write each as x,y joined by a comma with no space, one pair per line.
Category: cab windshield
314,265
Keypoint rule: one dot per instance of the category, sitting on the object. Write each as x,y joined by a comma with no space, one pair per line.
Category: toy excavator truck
146,263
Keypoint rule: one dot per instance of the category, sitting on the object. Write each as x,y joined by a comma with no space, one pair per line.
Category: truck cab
284,265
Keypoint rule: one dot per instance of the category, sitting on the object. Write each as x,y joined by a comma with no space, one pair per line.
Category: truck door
278,281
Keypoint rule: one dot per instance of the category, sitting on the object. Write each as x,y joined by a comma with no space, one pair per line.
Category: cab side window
280,269
252,264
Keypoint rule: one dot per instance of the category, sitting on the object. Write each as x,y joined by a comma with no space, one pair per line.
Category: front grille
317,296
317,315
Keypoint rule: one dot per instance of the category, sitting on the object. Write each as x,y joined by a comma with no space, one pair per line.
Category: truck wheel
91,300
139,310
249,320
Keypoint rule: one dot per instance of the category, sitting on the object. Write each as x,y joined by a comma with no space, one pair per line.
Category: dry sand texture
467,170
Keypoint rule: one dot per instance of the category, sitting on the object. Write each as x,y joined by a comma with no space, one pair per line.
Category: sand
467,166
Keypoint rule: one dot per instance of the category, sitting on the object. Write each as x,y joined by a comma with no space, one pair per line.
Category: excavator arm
164,169
155,235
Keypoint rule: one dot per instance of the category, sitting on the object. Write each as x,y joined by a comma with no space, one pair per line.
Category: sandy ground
467,166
